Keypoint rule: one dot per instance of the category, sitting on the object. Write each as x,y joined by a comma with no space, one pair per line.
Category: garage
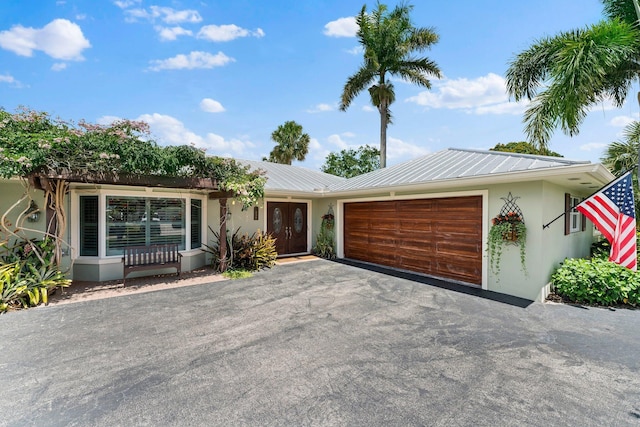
439,236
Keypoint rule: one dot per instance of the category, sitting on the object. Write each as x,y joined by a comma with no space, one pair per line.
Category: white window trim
575,217
102,194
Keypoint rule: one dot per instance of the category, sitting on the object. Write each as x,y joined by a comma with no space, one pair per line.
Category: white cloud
341,27
81,17
225,33
171,131
622,121
369,109
592,146
398,149
60,39
172,33
357,50
337,141
483,95
321,108
123,4
9,79
108,120
211,106
59,66
165,14
191,61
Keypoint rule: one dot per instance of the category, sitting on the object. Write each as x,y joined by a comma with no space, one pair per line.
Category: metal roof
281,178
450,164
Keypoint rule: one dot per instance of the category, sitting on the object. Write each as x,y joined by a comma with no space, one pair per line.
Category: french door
287,222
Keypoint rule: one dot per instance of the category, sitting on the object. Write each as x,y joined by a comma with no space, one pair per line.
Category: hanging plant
328,221
506,229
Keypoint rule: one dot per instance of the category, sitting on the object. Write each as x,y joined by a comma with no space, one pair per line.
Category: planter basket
511,235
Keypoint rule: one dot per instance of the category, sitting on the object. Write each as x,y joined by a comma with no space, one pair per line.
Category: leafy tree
389,41
567,74
524,147
292,144
349,162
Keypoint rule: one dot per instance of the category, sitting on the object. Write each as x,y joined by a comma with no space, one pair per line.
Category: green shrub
325,247
602,248
596,281
28,273
248,252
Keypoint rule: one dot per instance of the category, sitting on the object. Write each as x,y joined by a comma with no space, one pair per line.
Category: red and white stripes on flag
612,211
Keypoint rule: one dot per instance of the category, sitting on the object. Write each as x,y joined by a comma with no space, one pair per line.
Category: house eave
596,172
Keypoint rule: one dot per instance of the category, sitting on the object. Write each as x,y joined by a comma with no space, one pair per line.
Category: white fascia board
595,171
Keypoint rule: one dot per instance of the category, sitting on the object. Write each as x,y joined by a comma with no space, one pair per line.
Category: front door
287,222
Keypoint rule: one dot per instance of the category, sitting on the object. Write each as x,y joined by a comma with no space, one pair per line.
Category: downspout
637,7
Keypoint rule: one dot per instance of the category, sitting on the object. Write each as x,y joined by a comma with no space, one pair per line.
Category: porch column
223,235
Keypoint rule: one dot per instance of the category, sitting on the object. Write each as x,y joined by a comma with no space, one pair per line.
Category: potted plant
507,228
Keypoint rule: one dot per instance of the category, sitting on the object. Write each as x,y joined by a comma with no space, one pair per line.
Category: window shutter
567,214
89,226
196,223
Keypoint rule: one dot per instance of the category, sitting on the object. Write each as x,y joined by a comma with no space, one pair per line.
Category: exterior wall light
33,213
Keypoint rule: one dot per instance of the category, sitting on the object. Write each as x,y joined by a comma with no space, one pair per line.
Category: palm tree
389,40
567,74
292,144
620,156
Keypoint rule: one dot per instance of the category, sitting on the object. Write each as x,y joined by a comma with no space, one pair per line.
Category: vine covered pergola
48,154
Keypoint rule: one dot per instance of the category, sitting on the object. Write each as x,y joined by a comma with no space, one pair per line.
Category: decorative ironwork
510,205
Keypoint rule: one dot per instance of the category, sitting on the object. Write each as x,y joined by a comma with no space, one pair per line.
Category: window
574,221
138,221
89,226
196,223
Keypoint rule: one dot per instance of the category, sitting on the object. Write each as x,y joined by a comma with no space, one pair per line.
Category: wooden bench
152,257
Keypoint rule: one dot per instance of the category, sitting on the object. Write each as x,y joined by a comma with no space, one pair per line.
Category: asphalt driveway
318,343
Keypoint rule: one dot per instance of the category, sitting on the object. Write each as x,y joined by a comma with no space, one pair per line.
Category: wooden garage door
441,237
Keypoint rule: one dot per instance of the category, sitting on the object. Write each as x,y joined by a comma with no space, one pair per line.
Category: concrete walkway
318,343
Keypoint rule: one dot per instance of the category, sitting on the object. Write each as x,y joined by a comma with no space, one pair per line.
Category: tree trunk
223,235
383,135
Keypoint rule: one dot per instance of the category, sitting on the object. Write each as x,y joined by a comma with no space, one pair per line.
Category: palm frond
575,70
356,84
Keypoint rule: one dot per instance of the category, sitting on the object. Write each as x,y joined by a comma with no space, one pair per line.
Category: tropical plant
28,273
389,41
567,74
244,252
325,241
622,155
524,147
506,229
350,162
291,144
596,281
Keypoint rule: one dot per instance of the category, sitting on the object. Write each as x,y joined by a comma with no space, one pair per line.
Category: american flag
612,210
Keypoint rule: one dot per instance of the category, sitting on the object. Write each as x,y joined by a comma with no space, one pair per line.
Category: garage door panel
441,237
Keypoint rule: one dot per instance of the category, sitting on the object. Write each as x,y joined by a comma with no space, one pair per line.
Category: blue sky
224,74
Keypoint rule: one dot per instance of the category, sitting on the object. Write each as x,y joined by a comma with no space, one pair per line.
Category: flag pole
545,226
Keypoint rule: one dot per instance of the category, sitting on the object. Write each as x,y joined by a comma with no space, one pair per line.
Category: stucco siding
511,279
557,246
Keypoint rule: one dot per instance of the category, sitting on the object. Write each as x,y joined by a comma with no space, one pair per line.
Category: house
430,215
